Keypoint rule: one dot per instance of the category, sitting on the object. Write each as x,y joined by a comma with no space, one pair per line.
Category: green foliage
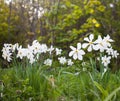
112,94
3,19
67,21
35,82
102,90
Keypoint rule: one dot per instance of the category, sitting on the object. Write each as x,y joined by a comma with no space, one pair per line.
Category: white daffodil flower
7,53
70,62
106,60
107,41
58,51
39,48
62,60
36,47
48,62
15,47
115,54
29,54
112,52
77,53
6,49
109,51
43,48
91,46
100,44
22,52
50,49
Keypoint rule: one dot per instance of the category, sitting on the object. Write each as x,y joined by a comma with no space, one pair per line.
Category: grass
38,83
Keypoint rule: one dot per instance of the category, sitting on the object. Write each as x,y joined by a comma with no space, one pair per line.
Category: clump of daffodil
33,52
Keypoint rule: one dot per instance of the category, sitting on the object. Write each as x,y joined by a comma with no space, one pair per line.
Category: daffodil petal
89,48
71,53
73,48
84,45
81,52
80,57
79,46
91,37
86,39
75,56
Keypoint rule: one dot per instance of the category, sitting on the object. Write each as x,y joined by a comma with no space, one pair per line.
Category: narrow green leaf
102,90
108,98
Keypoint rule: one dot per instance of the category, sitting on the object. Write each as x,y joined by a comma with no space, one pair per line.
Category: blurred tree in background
70,21
58,22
